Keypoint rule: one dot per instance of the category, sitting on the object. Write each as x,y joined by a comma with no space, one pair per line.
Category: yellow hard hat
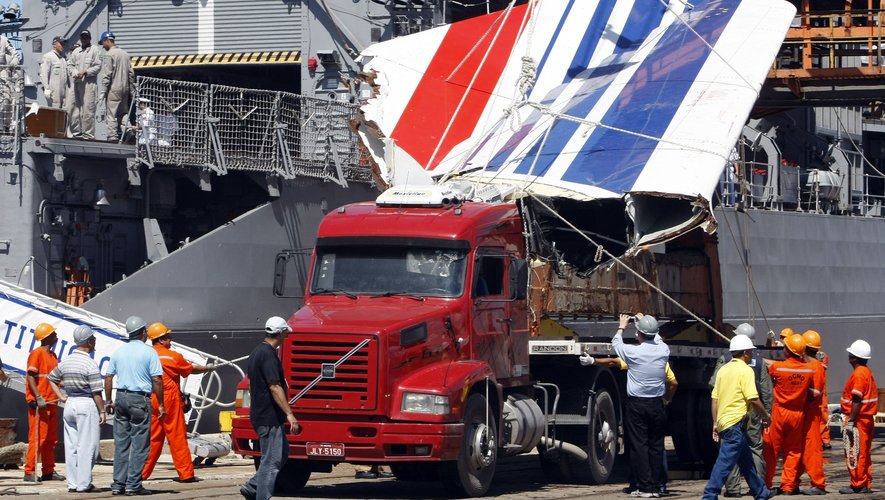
786,332
158,330
43,330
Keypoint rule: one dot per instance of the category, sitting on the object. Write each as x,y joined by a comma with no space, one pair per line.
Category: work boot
139,492
781,491
31,478
851,490
733,494
247,494
365,474
52,476
814,491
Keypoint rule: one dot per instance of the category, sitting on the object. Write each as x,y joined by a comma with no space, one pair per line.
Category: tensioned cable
642,278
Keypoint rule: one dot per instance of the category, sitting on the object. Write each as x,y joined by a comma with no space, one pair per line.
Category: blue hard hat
106,35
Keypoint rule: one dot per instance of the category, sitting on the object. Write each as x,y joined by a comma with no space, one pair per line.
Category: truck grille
356,380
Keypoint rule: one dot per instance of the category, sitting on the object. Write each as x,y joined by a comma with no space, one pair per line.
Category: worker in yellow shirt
733,392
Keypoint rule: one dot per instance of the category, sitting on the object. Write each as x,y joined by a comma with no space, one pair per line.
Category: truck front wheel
471,475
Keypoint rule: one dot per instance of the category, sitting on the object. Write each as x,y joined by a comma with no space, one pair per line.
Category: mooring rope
850,444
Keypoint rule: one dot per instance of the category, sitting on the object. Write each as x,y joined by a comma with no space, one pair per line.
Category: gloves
47,93
210,367
587,359
41,402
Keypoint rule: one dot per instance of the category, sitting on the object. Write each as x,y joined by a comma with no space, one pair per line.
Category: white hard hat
647,325
861,349
740,343
745,329
276,325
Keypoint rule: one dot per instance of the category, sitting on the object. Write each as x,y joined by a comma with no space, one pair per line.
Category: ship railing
747,185
12,103
869,204
226,128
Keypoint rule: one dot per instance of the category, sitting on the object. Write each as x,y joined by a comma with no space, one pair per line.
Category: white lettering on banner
20,316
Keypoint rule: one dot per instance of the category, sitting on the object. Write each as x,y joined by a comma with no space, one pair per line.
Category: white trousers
81,440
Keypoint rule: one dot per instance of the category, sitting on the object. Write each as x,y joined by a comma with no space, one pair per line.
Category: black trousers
646,425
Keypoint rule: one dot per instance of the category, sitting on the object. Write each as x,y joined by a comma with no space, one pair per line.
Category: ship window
489,277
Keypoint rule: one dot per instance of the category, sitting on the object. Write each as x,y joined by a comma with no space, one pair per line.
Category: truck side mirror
290,273
519,279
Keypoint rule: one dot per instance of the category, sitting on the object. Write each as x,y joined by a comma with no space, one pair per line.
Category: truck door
491,311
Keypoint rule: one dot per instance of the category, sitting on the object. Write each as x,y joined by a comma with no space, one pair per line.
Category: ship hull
806,271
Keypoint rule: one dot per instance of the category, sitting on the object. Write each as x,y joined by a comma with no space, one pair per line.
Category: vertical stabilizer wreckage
631,105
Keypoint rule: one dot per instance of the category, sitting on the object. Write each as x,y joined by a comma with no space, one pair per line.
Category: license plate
331,450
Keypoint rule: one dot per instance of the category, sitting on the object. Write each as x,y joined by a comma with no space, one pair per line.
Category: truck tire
600,443
707,449
684,428
471,474
603,438
419,471
292,477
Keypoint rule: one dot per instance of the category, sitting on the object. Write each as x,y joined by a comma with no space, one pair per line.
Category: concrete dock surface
518,478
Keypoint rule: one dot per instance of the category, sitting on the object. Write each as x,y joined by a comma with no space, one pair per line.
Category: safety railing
814,191
171,119
230,128
868,203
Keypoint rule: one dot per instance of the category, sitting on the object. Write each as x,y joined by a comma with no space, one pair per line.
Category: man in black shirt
270,409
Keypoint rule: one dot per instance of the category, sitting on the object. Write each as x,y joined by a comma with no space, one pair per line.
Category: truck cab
414,326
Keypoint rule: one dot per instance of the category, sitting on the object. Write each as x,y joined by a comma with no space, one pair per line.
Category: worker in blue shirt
646,418
139,372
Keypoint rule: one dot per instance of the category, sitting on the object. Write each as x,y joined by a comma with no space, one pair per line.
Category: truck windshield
389,270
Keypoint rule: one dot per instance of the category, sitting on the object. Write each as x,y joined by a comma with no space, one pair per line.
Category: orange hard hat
786,332
157,330
796,344
43,330
812,339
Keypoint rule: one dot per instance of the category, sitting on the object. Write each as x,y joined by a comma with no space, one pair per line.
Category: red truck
438,335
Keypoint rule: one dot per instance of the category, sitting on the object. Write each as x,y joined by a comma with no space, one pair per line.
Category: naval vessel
205,219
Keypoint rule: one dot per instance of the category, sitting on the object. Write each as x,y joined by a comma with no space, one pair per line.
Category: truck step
566,419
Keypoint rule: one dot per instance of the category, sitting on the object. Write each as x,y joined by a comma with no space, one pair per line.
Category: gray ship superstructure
204,218
207,223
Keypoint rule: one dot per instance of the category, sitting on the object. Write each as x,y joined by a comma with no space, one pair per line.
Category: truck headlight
433,404
244,398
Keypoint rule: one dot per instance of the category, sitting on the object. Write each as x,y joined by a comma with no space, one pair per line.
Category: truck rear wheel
603,438
419,471
292,477
471,475
600,443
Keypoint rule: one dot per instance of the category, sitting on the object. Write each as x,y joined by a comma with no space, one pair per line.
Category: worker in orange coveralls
792,379
860,403
824,401
813,454
174,426
42,407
